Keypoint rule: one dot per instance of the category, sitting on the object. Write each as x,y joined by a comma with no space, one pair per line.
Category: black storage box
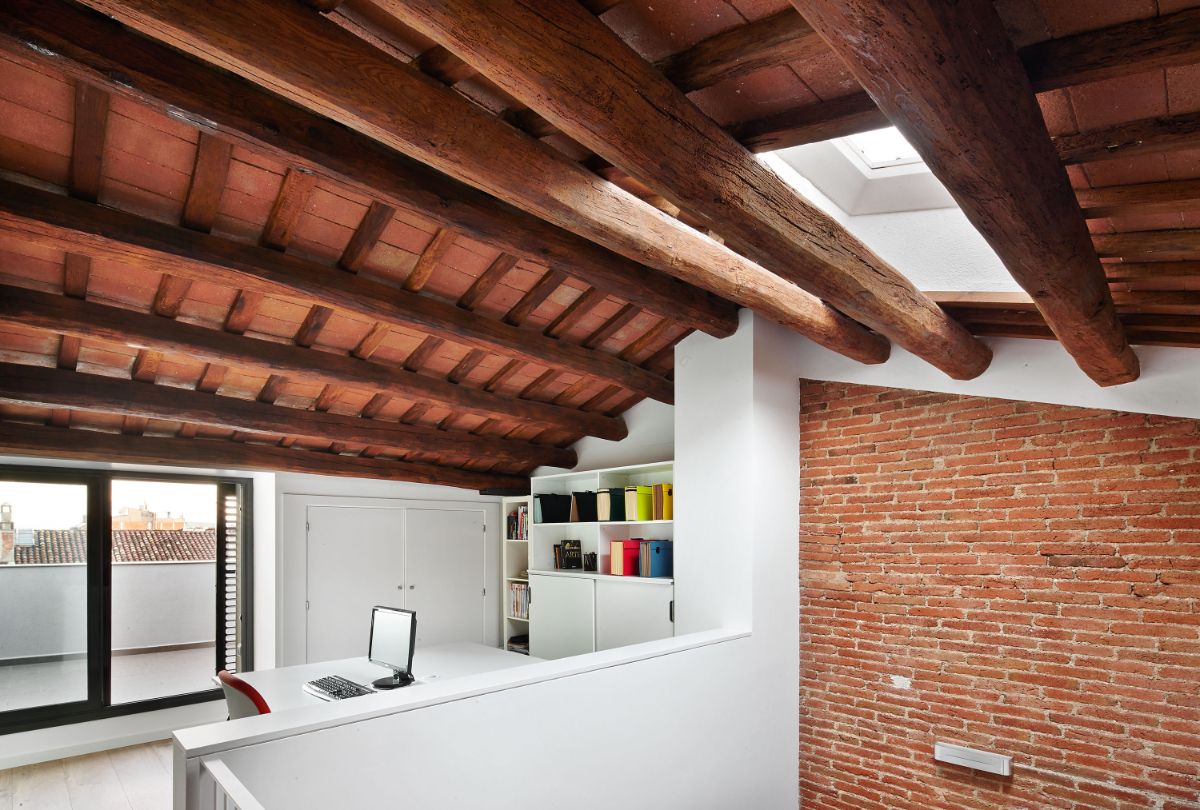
555,508
585,506
617,495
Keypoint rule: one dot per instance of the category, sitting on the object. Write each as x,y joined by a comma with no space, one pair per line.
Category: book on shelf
518,600
604,505
517,524
519,643
639,502
568,555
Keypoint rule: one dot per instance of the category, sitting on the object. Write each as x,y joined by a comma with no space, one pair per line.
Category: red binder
629,559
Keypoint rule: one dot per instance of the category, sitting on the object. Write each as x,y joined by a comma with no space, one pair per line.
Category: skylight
882,148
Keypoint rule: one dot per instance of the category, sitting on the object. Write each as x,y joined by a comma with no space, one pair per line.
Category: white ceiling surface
902,213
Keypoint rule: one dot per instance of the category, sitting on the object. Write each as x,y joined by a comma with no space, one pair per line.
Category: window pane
164,538
43,594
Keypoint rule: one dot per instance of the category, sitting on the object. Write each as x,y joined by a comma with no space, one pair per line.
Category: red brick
1035,569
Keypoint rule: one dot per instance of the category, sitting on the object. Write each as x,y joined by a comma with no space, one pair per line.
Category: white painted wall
153,604
715,726
98,735
651,438
1029,370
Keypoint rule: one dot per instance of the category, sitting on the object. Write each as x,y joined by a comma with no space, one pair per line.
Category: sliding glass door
49,595
118,593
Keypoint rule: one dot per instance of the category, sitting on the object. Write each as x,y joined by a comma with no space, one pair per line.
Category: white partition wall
700,720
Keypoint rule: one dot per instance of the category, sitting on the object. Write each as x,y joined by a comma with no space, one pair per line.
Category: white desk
283,688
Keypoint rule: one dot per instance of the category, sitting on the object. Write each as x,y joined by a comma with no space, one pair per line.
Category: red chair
242,699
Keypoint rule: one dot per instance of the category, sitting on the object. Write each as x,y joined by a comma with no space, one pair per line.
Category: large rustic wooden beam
947,75
88,320
86,45
90,445
395,104
54,220
55,388
1120,50
596,89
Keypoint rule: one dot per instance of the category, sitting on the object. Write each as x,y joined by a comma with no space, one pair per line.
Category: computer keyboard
335,687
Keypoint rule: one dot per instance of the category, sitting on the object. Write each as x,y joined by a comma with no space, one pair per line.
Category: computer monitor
393,636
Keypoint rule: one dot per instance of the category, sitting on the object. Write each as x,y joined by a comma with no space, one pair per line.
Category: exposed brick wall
1033,570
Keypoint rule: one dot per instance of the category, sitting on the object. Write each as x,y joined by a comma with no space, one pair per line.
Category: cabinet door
355,561
443,559
632,612
562,616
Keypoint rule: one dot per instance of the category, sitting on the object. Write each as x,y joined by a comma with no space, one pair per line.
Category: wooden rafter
366,236
54,442
51,219
1147,136
53,388
1120,50
87,149
97,49
1166,197
82,319
425,120
571,67
947,75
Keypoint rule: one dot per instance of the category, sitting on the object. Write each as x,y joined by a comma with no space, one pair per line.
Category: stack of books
517,526
518,600
641,558
519,643
646,502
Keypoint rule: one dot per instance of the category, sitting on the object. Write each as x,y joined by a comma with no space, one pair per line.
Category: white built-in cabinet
573,612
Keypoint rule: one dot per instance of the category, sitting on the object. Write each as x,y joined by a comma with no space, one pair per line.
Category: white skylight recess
882,148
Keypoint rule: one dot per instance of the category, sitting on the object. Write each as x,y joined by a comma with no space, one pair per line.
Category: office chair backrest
242,699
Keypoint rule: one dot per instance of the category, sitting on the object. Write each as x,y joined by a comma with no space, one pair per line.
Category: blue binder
658,558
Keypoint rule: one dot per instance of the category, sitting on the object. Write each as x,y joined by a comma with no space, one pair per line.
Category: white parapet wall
707,719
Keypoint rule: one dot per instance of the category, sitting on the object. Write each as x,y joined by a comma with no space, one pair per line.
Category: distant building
140,518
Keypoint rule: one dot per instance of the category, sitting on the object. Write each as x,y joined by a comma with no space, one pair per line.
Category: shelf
597,575
516,579
606,523
510,540
515,619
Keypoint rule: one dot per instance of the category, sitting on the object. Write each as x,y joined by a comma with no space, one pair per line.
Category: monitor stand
394,681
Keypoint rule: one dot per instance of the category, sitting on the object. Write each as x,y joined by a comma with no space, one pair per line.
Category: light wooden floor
134,778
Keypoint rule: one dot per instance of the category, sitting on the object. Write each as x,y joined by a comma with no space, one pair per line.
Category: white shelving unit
575,611
515,565
596,536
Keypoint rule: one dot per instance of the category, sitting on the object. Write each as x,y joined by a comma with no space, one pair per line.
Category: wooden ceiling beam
90,445
1142,271
948,77
1153,246
1142,302
427,262
54,388
399,107
85,319
773,40
209,174
87,148
1120,50
86,45
1166,197
47,218
366,236
571,67
1146,136
487,281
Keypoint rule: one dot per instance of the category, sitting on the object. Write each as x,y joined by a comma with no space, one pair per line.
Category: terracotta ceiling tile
150,118
826,76
30,266
1142,169
1147,222
46,93
1183,89
1023,20
757,9
657,29
48,132
1058,112
1114,101
761,93
1183,164
1171,6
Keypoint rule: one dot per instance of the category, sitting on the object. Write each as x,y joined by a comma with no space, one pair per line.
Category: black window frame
98,705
